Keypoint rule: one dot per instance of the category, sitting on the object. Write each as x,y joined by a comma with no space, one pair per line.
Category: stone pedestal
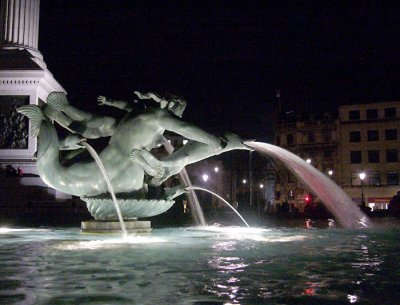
110,226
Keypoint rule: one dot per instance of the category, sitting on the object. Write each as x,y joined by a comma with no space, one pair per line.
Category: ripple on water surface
193,266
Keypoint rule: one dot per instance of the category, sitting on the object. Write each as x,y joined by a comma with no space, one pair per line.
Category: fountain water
219,197
229,265
334,198
197,212
109,185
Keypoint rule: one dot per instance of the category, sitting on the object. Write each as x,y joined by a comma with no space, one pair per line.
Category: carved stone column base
113,226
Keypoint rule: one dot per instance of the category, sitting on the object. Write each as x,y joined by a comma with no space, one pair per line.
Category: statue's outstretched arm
189,131
89,125
123,105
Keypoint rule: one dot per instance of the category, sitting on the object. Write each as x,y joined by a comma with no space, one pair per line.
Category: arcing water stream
219,197
109,186
333,197
196,210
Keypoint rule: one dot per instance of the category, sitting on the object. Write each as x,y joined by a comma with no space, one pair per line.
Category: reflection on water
108,244
210,265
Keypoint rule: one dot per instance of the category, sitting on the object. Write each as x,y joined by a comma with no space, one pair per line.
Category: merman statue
127,157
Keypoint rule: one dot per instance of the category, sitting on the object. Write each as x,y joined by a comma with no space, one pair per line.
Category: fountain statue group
128,158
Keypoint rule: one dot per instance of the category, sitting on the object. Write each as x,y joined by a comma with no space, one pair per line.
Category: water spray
109,185
219,197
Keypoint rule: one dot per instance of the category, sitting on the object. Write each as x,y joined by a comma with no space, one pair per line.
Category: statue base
113,226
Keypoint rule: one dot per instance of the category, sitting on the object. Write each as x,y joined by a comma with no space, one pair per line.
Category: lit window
374,178
355,179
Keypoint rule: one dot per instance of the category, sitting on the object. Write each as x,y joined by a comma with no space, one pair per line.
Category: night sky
227,58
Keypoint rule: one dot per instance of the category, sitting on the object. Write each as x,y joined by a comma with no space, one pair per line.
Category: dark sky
226,58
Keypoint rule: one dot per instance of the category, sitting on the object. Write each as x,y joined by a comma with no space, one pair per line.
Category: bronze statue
128,157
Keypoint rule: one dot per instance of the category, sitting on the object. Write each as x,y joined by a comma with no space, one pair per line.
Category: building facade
313,137
361,138
370,144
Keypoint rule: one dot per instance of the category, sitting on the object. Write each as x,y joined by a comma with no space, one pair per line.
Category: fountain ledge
110,226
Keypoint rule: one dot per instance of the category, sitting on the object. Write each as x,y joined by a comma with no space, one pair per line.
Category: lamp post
362,177
260,198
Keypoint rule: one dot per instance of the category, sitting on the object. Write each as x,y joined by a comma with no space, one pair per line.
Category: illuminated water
192,266
96,157
345,210
222,199
195,207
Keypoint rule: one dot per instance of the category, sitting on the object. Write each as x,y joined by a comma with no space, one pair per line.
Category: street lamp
205,177
330,173
244,181
362,177
216,169
308,161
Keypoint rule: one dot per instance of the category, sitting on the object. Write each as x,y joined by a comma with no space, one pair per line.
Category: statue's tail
74,180
56,101
43,129
35,116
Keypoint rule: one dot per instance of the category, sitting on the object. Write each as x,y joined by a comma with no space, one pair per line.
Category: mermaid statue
128,157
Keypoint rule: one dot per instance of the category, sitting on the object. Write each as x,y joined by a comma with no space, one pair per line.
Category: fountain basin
103,208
